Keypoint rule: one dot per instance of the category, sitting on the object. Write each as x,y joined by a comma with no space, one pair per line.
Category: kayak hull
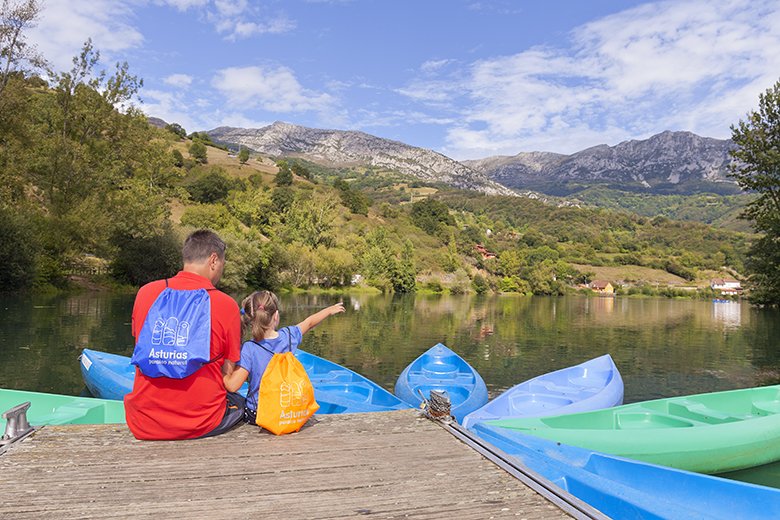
707,433
591,385
441,369
624,488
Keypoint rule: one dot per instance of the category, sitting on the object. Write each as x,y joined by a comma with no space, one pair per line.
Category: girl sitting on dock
260,315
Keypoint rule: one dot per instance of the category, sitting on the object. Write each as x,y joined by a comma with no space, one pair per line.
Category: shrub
480,284
209,188
18,253
198,152
141,260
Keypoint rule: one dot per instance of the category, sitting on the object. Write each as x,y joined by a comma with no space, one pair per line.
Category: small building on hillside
726,286
602,287
482,250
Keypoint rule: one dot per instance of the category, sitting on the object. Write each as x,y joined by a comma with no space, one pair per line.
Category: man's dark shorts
234,414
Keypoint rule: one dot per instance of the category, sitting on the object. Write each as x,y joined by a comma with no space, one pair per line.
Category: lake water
662,347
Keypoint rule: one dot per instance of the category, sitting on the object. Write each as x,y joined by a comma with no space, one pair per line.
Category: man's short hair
199,246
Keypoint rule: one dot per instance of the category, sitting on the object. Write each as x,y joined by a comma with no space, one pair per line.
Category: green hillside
88,189
719,210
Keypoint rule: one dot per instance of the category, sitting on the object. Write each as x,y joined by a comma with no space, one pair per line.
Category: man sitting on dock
188,334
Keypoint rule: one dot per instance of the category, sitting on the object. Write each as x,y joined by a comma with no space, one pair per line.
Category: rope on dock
437,406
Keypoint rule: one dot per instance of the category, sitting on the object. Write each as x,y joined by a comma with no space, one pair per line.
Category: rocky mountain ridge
669,162
666,163
340,148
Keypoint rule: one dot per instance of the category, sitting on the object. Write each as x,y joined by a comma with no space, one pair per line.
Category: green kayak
707,433
62,409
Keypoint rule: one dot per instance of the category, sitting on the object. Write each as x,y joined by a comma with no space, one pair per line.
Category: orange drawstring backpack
286,397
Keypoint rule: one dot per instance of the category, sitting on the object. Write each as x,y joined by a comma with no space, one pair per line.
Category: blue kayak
441,369
592,385
107,376
626,489
336,388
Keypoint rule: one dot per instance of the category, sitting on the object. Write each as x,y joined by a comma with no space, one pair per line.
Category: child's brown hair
258,311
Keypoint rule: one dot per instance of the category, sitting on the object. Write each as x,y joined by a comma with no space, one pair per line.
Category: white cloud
169,106
241,29
65,25
435,65
234,119
663,65
183,5
272,89
237,19
178,80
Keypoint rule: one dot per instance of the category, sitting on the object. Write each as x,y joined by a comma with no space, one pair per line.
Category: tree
243,155
301,171
404,273
431,216
15,17
334,266
310,220
354,200
211,187
198,151
17,252
757,169
141,260
285,176
178,158
176,129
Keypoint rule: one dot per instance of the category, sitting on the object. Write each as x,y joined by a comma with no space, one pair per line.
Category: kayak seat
648,420
701,413
431,374
529,403
332,376
359,392
76,413
766,407
595,380
440,370
553,388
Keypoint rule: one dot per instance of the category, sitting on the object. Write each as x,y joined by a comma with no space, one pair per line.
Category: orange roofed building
484,252
726,286
602,287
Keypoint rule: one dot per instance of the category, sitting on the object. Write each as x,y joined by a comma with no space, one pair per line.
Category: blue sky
469,79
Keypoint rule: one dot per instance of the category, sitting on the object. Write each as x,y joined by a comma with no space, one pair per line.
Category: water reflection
662,347
728,313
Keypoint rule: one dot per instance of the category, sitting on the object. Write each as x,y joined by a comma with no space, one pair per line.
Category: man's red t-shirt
162,408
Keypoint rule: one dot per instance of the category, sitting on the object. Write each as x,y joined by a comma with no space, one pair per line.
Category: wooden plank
390,465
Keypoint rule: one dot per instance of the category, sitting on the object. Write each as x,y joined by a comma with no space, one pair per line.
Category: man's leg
234,413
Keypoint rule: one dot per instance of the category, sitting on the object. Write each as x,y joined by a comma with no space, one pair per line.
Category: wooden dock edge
560,497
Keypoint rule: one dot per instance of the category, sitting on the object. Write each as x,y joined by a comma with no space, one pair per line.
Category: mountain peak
668,162
349,148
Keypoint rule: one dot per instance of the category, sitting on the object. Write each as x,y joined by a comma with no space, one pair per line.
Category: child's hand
335,309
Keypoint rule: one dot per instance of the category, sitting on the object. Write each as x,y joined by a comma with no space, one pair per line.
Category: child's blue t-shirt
255,359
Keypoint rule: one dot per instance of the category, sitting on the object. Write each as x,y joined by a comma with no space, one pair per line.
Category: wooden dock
386,465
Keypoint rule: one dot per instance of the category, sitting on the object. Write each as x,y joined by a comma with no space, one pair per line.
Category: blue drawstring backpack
175,340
